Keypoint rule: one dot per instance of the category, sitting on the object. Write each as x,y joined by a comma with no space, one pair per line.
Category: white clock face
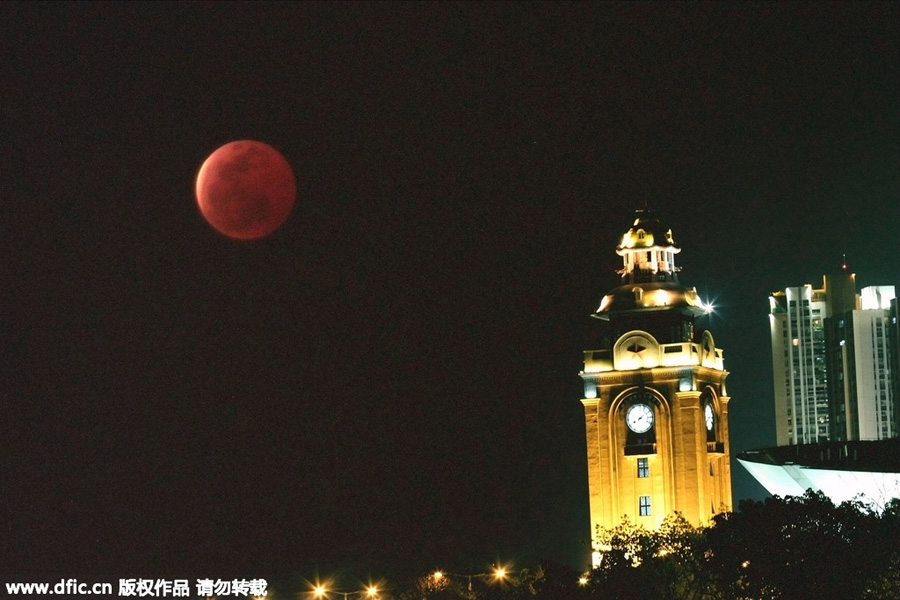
639,418
710,419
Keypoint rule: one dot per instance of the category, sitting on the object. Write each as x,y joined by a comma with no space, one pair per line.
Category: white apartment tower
833,363
797,328
860,387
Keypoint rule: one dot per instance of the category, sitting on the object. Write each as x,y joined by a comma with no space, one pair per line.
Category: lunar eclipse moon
246,189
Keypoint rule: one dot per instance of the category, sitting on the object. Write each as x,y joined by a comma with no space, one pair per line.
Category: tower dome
646,232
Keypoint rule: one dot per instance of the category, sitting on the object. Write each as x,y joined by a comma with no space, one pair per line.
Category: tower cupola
648,251
649,275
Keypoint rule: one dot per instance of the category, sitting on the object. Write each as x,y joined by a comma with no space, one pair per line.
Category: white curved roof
872,488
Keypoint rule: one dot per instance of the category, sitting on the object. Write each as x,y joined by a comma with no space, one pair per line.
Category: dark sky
388,383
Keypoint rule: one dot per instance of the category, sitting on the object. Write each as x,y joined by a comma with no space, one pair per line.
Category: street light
498,574
370,592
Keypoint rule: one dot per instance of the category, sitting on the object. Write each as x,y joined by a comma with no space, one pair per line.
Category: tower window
644,506
643,466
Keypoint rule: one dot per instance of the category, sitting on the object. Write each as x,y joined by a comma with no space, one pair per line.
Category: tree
663,564
788,548
884,546
795,547
552,581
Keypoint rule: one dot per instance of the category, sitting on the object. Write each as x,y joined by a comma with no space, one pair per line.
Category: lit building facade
894,337
655,402
861,373
797,329
836,359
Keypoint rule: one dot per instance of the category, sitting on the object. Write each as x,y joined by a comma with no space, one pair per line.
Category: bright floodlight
438,575
319,591
500,573
372,591
582,580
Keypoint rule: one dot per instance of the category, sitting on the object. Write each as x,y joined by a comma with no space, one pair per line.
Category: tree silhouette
790,548
801,547
663,564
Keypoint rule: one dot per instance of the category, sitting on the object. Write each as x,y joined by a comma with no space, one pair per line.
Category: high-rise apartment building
831,362
861,372
836,360
797,328
894,338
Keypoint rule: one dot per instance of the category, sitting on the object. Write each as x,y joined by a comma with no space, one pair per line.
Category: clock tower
655,402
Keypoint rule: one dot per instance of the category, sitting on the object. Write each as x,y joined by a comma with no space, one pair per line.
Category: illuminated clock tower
655,403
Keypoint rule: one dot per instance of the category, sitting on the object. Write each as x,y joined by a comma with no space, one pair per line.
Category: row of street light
437,579
320,591
498,574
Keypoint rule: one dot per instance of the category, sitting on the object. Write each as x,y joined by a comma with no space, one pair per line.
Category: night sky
388,383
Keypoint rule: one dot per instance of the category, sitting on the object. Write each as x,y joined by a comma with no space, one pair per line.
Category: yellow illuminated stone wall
689,465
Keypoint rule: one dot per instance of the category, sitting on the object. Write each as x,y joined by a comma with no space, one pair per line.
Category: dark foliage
804,547
784,548
789,548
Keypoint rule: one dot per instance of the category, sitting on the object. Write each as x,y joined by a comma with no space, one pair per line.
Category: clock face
710,418
639,418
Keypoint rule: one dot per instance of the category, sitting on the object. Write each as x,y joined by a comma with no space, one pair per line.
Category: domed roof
666,296
646,232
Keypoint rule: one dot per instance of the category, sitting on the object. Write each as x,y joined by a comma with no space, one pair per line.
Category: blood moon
246,189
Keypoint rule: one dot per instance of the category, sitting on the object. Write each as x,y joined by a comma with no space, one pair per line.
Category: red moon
246,189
